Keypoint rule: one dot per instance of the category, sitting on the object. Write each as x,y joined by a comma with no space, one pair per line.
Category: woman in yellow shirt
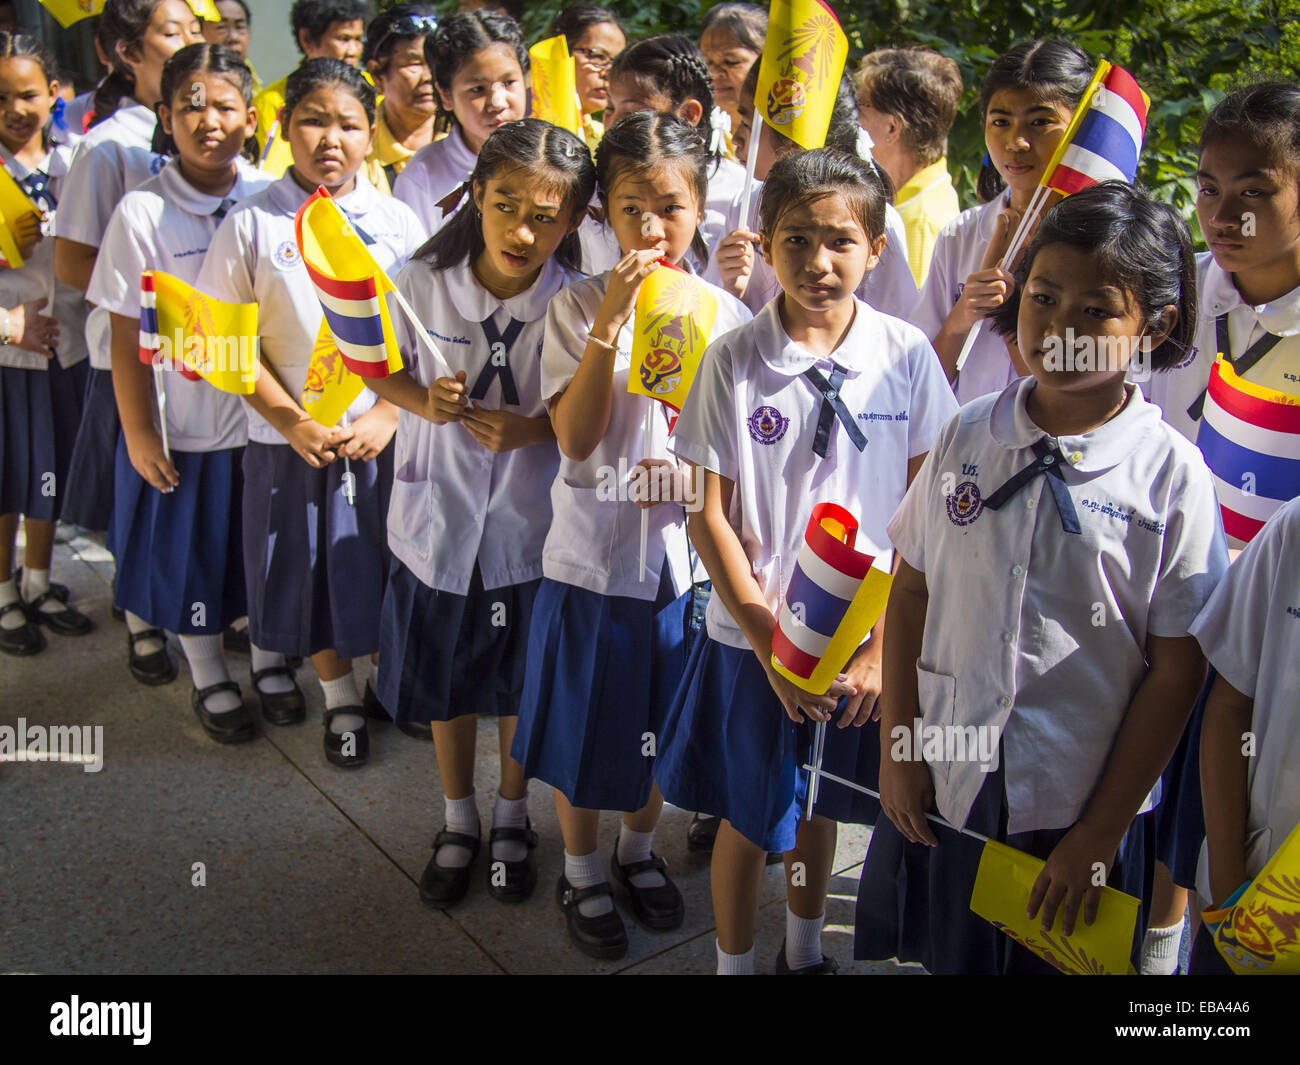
396,60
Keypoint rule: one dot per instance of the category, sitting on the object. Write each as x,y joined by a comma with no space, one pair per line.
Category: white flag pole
751,161
161,396
645,454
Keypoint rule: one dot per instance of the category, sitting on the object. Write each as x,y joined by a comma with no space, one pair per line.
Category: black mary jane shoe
597,937
280,708
235,640
234,726
25,640
512,881
334,741
661,909
373,707
440,885
65,621
827,967
152,669
702,834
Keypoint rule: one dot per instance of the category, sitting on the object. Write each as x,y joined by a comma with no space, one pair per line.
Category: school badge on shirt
286,256
767,425
964,504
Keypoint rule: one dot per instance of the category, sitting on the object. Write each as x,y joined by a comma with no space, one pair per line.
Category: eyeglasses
406,26
595,58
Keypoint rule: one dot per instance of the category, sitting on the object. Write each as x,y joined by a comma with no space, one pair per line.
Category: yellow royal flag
1260,931
331,387
555,84
205,9
1001,897
183,329
67,12
799,74
674,321
15,205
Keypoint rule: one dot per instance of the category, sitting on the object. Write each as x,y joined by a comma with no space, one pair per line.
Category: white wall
270,47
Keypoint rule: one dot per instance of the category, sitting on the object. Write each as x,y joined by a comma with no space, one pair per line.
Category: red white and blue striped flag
1250,437
1104,138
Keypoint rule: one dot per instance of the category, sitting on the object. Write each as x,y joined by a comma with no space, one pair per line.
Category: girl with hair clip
666,73
42,359
1038,507
595,37
1026,101
475,458
605,647
314,559
480,66
176,513
112,159
786,413
408,103
740,269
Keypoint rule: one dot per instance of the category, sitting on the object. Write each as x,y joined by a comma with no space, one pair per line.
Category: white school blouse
958,252
430,174
1250,632
751,417
1176,389
1040,633
35,279
254,257
113,158
454,502
595,536
167,224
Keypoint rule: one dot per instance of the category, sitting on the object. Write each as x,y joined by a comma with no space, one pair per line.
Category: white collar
784,356
475,303
288,195
1281,317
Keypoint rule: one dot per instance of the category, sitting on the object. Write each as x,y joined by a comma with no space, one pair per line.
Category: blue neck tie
36,185
494,369
833,407
1049,461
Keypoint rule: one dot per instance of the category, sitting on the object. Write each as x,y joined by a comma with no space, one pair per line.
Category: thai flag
1107,141
1250,437
353,311
151,342
828,573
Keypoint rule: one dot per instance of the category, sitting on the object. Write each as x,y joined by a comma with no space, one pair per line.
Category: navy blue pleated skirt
40,411
1180,817
914,900
179,561
446,655
601,671
89,501
728,748
854,754
315,565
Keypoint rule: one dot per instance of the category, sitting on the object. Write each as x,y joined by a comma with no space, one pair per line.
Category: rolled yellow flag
555,84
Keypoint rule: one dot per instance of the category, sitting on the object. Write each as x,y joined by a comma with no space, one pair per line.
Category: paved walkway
308,868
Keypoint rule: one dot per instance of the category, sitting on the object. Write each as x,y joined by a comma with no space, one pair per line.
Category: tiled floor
308,868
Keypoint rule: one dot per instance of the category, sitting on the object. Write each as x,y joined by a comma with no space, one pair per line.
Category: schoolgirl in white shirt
42,359
176,527
114,157
314,561
606,647
1056,547
819,399
1026,100
475,458
480,67
740,269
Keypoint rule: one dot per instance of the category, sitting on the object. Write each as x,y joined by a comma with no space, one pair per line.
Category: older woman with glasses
595,36
394,56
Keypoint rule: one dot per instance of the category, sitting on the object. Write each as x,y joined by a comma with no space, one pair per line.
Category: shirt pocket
937,699
587,527
410,512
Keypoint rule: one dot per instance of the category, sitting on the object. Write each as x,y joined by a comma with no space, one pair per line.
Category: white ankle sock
635,847
134,624
37,582
260,660
343,692
9,594
1160,947
803,940
735,964
462,817
509,813
585,870
208,667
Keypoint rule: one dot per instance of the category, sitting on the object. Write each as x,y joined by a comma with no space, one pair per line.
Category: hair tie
721,123
864,145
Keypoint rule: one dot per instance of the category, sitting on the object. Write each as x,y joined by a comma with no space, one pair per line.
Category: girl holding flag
606,646
1055,549
176,511
1026,101
799,407
314,559
42,358
475,458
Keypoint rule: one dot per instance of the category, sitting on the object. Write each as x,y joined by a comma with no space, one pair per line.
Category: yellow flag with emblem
186,330
799,74
330,388
1259,932
68,12
674,321
555,84
15,205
